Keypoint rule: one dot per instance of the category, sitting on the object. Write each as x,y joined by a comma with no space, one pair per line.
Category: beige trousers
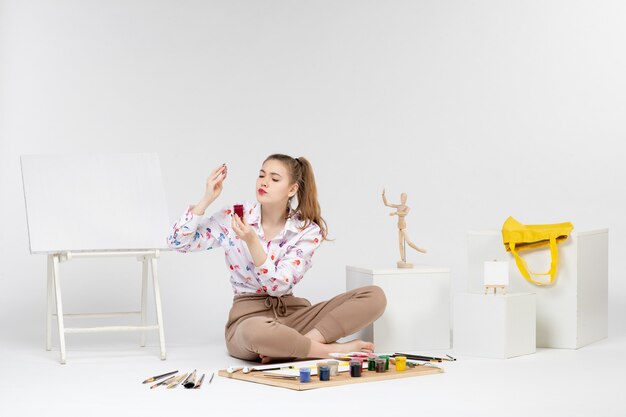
259,324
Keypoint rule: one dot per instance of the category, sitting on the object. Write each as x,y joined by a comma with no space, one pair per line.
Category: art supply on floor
380,365
186,380
176,381
293,368
190,381
247,370
324,373
292,377
233,369
400,363
343,378
355,368
386,358
155,378
320,364
305,375
409,363
424,358
164,382
334,367
199,383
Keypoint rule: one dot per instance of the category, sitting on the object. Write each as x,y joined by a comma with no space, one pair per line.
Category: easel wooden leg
144,297
495,289
49,304
59,304
157,303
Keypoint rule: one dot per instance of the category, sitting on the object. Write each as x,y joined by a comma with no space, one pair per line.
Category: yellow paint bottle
400,363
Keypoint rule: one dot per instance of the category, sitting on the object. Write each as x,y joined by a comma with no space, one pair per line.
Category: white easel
496,276
52,183
54,299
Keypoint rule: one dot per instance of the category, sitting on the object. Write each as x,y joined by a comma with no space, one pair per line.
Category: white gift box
571,313
494,326
417,316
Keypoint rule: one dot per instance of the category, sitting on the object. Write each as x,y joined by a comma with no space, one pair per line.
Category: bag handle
523,267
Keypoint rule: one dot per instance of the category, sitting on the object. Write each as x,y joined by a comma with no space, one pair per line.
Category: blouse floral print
288,253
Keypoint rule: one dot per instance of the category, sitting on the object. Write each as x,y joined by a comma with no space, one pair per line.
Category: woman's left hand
242,229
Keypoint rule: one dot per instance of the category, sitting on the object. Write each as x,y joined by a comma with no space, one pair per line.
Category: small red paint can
238,209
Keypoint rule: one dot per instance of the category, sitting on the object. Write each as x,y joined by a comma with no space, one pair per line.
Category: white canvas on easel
94,202
96,205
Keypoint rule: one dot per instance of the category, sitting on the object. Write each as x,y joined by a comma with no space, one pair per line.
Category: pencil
165,381
154,378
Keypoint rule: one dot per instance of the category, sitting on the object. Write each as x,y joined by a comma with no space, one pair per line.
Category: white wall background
476,109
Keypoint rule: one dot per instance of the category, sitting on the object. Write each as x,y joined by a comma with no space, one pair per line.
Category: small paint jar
324,373
400,363
238,209
319,365
334,367
380,365
355,368
386,358
371,364
305,374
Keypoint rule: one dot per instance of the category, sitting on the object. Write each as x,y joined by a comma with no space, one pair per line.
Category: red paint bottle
238,209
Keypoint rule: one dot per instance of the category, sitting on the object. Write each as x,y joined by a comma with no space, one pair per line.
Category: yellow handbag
518,237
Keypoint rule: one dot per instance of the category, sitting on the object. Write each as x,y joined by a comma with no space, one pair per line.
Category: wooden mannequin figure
401,211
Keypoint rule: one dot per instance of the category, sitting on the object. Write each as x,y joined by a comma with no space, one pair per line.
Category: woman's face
273,185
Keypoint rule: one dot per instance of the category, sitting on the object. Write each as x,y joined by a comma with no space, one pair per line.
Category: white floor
106,381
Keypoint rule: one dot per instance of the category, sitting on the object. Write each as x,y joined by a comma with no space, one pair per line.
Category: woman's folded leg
267,337
342,315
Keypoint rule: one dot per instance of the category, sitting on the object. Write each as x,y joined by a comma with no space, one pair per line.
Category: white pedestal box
417,316
494,326
572,312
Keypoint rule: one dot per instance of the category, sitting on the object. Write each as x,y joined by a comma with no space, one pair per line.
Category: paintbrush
424,358
154,378
165,381
199,383
190,381
282,376
177,381
247,370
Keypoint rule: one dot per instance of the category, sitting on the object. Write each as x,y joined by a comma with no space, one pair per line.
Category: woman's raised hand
215,183
214,186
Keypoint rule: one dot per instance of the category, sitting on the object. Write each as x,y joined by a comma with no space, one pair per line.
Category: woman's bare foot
355,345
323,350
